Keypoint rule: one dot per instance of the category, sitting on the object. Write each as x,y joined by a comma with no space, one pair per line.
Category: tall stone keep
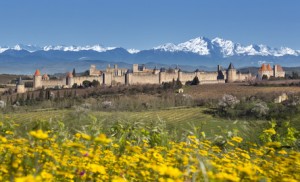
231,73
37,79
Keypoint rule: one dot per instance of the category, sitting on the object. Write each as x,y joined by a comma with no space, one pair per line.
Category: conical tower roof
20,81
37,73
263,67
230,66
269,67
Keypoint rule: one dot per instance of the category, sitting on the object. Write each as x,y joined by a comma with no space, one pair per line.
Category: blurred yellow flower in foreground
39,134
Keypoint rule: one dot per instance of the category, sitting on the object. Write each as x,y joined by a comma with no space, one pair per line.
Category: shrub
195,81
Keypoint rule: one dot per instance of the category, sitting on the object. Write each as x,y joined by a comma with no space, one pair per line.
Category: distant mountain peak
225,48
133,51
197,45
97,48
200,45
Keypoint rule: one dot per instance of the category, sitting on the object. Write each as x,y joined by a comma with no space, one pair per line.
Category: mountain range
192,54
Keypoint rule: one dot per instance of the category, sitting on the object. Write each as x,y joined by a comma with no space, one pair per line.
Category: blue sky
143,24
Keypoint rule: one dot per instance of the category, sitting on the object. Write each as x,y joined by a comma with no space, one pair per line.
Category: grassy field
84,145
176,119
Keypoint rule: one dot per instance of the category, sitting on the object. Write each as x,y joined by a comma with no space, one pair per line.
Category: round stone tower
231,73
20,86
37,79
70,80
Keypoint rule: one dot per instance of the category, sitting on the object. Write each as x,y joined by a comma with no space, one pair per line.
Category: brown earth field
216,91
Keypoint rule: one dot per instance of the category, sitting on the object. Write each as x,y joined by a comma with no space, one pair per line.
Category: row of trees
257,108
87,84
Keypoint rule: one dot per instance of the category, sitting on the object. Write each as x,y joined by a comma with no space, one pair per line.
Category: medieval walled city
139,74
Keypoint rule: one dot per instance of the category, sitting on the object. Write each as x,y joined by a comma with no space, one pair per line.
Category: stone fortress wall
139,74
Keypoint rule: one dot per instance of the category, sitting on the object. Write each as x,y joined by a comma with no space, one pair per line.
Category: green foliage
294,75
195,81
86,83
74,72
172,85
255,108
95,83
264,77
285,135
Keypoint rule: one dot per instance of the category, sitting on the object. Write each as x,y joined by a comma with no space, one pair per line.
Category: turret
162,75
176,69
37,79
219,68
45,77
128,77
155,71
180,75
135,68
231,73
20,86
70,80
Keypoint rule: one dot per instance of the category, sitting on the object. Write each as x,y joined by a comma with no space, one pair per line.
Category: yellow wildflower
9,132
95,168
85,136
273,144
39,134
225,176
102,139
282,152
270,131
3,139
118,179
29,178
237,139
203,152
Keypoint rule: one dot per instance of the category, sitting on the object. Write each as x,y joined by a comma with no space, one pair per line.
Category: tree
264,77
195,81
95,83
75,85
86,83
295,75
58,94
41,95
28,96
74,72
178,84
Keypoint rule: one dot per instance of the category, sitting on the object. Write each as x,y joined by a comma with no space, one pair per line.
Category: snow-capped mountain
133,51
195,52
226,48
198,45
97,48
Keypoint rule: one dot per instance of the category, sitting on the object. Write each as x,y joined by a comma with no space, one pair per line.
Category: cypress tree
178,83
195,81
74,72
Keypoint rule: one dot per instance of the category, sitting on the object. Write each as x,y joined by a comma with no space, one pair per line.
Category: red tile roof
269,67
45,76
263,68
37,73
279,68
